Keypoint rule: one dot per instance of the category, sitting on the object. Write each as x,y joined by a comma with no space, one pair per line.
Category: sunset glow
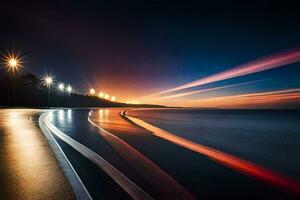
146,100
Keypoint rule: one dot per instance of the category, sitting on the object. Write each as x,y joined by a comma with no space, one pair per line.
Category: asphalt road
28,167
116,159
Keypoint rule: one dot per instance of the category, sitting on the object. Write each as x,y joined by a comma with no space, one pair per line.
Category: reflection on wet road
161,168
28,169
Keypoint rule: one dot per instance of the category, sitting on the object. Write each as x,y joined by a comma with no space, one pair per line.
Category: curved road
161,168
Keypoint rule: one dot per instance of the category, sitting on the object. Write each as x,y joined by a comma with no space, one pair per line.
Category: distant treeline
28,91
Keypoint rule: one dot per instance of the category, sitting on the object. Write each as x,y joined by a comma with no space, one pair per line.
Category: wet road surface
28,169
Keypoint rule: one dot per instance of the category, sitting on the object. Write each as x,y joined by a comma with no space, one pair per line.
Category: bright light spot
92,91
48,80
61,86
133,102
106,96
69,89
113,98
12,62
101,95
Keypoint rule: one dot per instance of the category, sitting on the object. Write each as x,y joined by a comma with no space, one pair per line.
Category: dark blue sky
136,48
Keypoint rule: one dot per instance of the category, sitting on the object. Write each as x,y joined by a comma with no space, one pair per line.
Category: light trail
146,168
228,160
265,63
130,187
207,90
271,97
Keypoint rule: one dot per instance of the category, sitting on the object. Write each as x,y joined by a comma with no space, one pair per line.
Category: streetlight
92,91
106,96
101,95
13,64
48,80
69,89
61,87
113,98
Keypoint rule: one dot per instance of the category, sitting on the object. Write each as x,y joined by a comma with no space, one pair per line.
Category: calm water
267,137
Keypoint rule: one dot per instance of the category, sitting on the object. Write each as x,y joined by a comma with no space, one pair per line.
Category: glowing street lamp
92,91
101,95
106,96
113,98
12,62
48,80
69,89
61,87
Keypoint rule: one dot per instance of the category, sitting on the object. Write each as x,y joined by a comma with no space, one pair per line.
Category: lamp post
101,95
113,98
13,64
69,89
48,80
61,87
92,91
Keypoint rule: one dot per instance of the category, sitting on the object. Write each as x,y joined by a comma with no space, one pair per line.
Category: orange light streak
207,90
225,159
145,167
267,98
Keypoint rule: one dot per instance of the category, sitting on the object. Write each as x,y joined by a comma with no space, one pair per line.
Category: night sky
132,49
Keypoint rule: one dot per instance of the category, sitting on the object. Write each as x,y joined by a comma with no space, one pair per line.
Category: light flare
12,62
48,80
92,91
61,87
101,95
69,89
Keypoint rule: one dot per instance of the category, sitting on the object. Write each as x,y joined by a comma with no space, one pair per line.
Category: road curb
78,187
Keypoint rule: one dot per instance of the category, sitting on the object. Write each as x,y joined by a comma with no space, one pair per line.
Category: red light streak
225,159
145,167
